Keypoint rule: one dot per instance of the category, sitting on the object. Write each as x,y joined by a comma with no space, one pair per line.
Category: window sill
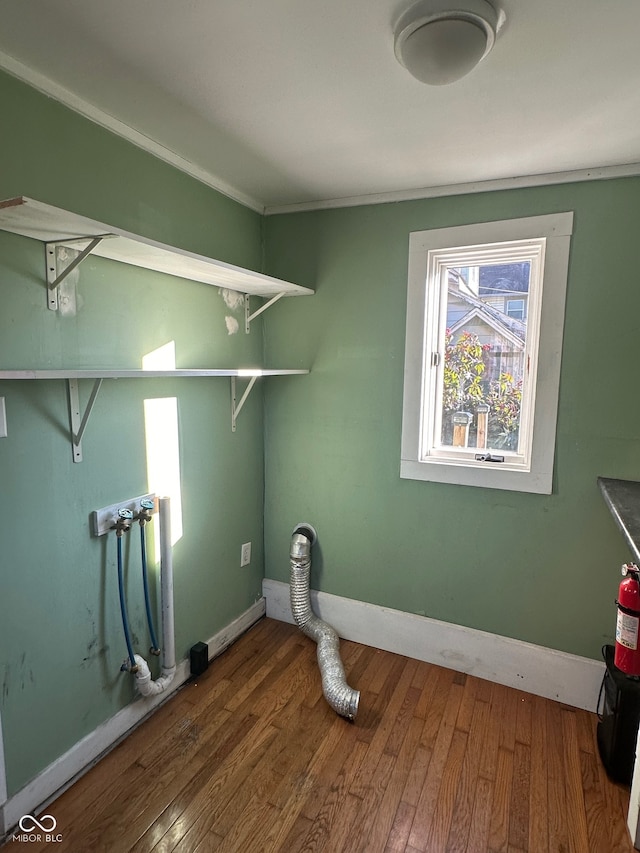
487,475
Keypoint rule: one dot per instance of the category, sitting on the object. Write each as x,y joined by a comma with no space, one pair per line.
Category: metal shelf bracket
57,271
237,406
248,316
78,420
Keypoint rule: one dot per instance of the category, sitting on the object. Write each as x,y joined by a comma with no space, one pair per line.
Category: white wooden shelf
65,373
79,417
60,228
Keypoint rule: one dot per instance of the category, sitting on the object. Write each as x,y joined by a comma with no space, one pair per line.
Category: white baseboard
83,755
557,675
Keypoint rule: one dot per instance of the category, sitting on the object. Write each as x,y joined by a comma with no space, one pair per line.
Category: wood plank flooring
251,758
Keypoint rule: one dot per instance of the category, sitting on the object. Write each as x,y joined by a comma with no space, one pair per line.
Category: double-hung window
485,315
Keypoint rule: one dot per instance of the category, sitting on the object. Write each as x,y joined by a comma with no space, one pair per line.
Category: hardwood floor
251,758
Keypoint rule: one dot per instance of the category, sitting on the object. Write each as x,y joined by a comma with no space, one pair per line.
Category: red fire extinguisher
627,654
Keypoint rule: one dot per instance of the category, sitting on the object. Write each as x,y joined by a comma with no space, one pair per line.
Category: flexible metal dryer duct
342,698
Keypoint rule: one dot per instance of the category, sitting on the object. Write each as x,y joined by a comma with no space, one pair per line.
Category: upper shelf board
49,224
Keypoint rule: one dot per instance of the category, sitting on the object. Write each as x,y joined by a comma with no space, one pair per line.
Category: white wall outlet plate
245,554
3,419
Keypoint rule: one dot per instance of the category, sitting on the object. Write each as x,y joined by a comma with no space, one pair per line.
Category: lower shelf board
79,417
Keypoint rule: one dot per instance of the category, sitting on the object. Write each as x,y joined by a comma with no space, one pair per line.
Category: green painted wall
539,568
61,642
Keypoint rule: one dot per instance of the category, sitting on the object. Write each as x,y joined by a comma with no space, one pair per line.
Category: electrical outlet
3,419
245,554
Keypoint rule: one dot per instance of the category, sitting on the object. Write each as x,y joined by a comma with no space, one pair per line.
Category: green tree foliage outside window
465,387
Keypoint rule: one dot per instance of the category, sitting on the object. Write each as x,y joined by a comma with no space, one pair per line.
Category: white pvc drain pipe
145,684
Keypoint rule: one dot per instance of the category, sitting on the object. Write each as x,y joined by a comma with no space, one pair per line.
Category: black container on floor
619,712
199,658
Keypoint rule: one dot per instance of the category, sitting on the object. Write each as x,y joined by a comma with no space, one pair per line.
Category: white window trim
557,228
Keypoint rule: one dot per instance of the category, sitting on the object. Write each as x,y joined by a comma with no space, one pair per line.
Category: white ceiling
283,102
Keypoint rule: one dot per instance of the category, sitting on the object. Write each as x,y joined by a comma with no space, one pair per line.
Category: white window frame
439,262
535,473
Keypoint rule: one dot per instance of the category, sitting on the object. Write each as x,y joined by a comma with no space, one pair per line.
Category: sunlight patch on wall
163,442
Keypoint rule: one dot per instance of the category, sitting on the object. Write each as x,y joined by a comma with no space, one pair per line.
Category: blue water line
123,607
145,581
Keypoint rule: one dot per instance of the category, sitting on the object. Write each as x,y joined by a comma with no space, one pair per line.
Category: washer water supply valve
123,522
119,518
146,510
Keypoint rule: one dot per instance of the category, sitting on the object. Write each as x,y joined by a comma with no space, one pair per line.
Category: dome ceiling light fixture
441,41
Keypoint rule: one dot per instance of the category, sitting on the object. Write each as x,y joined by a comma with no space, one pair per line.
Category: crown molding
598,173
69,99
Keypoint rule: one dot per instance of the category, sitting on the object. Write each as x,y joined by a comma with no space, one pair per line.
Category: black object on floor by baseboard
619,720
199,658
